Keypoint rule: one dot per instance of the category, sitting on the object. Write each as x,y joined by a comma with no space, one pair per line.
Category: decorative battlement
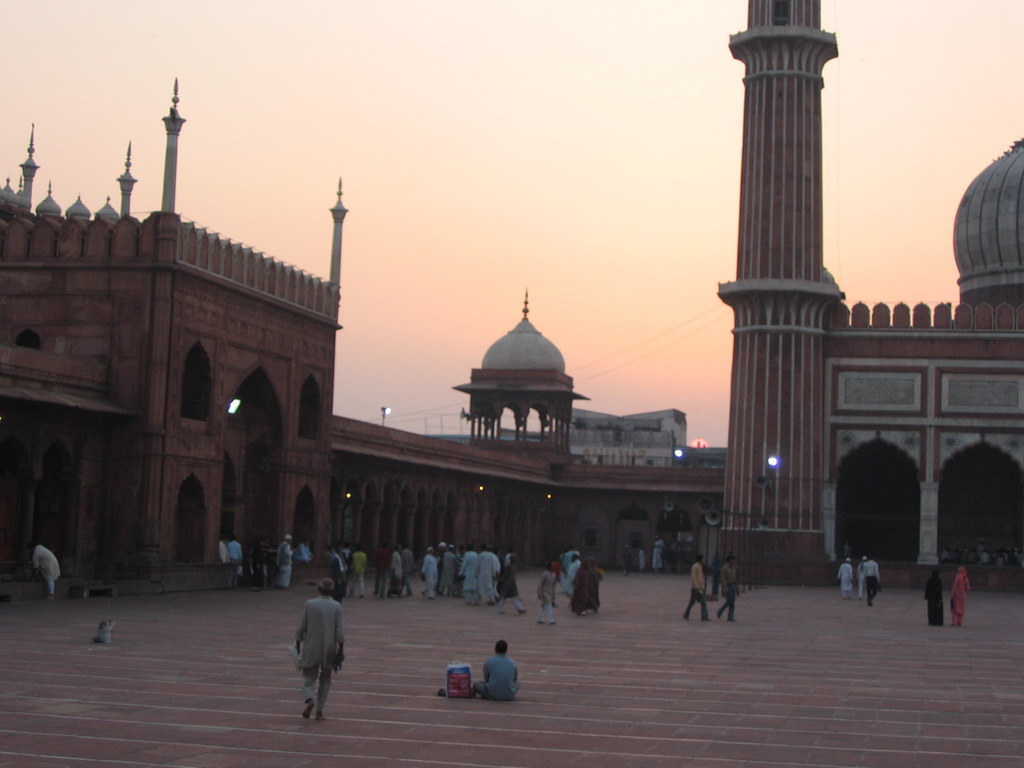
944,317
241,264
55,241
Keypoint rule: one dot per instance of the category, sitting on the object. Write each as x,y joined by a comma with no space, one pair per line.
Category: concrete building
638,440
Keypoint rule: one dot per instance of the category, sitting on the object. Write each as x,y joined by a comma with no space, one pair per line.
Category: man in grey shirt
501,676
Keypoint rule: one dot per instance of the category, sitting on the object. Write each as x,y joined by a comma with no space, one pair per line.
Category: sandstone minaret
782,293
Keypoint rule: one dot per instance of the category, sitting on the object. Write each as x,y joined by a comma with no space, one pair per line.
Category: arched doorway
304,521
878,503
190,520
254,434
52,515
980,500
228,499
14,468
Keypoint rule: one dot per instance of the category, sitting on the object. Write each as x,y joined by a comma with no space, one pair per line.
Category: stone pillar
828,516
929,527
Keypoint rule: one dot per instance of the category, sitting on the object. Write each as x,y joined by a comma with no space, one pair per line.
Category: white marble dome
989,232
524,348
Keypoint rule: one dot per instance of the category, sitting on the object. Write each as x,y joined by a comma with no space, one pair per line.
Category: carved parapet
241,264
944,317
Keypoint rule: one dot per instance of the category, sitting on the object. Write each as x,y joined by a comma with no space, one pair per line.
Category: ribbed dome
48,206
524,348
107,213
77,210
989,233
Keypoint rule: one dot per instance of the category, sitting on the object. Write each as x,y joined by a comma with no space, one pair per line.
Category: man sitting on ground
501,676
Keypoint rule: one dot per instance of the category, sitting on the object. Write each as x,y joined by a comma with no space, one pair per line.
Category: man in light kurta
446,581
846,579
45,563
429,572
468,572
487,569
320,643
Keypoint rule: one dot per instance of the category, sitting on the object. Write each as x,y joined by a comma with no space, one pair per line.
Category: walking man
697,589
729,582
846,579
320,643
871,578
284,562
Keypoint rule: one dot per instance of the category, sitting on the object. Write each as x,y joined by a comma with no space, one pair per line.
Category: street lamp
384,411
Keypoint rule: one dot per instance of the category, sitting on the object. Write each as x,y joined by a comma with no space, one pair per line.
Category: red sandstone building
161,385
893,429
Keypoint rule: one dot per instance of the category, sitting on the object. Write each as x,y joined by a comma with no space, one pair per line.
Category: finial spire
338,213
526,304
127,181
173,123
29,168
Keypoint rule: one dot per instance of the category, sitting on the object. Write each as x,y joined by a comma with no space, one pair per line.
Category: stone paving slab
802,678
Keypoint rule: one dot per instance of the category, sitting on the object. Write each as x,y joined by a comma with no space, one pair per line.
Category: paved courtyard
203,680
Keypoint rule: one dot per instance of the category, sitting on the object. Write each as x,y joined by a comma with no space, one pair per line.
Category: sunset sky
587,150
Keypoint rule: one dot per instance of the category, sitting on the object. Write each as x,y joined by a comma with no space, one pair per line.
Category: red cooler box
458,681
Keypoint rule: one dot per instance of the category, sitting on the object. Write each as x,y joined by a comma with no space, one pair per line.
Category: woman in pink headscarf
958,601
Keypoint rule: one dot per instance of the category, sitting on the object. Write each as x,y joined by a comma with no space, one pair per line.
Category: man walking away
697,589
729,581
320,643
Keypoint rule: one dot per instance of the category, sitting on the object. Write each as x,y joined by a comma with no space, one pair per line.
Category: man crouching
320,643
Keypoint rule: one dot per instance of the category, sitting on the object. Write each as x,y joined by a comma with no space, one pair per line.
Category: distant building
638,440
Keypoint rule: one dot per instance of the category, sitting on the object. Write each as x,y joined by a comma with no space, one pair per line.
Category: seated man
501,676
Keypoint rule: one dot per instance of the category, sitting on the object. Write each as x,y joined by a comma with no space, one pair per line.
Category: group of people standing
957,600
867,577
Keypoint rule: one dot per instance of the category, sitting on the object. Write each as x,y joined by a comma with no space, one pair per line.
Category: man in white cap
846,579
284,562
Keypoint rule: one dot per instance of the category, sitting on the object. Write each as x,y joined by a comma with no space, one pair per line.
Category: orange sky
587,150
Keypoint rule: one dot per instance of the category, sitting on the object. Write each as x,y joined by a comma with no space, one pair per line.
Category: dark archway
190,522
228,498
196,384
878,503
28,338
14,468
309,409
52,518
254,433
304,521
980,500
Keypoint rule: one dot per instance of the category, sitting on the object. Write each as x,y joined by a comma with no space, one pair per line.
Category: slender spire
172,122
526,304
338,213
29,168
127,182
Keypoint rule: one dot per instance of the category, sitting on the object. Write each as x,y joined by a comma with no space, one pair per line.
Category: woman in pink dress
958,601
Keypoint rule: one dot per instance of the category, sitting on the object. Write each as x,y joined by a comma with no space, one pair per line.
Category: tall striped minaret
782,292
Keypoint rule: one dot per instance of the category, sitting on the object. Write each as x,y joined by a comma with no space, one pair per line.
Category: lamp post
384,411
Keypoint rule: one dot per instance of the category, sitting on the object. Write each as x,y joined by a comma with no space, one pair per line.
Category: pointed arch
309,409
190,522
196,383
304,519
980,500
14,479
52,519
28,338
878,502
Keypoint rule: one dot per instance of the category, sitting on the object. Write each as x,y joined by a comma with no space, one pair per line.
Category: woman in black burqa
933,594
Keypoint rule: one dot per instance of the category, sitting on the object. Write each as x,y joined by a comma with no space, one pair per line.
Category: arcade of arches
878,503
